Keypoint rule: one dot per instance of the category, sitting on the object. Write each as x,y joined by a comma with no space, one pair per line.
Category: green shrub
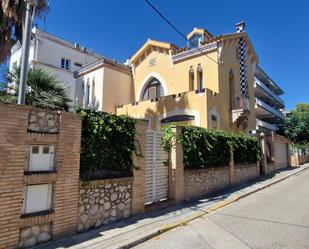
204,148
107,142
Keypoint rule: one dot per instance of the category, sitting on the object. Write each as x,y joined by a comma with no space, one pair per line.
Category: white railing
269,91
266,125
194,51
269,108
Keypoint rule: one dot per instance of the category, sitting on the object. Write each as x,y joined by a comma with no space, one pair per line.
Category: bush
204,148
107,142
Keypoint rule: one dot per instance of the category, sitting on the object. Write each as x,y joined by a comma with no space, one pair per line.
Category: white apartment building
57,56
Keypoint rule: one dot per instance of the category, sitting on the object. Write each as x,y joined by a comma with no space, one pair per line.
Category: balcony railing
269,91
269,108
194,51
240,102
266,125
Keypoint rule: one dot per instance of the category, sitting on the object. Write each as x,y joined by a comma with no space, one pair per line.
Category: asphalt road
276,217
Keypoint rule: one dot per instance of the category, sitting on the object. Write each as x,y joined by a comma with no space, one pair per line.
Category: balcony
262,91
262,76
260,124
240,109
265,111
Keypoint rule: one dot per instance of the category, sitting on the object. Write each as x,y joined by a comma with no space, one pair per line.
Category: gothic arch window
200,77
213,119
191,79
153,89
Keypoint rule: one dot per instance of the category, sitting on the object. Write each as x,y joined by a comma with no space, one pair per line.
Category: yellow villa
212,82
208,83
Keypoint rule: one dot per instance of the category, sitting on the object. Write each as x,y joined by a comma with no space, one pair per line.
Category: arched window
213,119
191,79
200,77
81,101
213,122
153,89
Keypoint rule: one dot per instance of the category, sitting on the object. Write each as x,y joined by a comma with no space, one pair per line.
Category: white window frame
65,63
33,159
31,194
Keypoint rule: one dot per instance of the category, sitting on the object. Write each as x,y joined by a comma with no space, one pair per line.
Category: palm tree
44,90
12,15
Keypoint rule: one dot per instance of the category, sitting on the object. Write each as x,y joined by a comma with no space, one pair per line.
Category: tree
296,125
44,90
12,15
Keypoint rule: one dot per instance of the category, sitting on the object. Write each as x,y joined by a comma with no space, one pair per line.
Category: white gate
156,172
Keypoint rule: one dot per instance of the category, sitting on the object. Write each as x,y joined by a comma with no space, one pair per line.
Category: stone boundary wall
35,234
299,159
270,168
104,201
205,181
246,172
303,159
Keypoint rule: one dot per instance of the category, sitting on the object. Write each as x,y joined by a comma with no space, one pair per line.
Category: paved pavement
275,217
133,231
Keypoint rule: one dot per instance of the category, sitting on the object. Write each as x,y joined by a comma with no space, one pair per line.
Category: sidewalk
132,231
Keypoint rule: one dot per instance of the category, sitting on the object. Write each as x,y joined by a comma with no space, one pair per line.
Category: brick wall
138,188
21,126
13,148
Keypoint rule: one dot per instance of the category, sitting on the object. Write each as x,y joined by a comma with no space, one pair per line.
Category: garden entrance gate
156,171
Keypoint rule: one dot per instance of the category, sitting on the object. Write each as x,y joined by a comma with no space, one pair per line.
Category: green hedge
107,142
210,148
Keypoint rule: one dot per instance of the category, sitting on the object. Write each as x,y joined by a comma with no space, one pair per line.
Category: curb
170,226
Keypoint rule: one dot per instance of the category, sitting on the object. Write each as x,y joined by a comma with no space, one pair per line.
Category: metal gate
281,155
156,172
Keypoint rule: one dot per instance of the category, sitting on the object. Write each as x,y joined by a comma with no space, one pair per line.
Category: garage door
281,155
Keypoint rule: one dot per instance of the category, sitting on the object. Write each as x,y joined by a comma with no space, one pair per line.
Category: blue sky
279,30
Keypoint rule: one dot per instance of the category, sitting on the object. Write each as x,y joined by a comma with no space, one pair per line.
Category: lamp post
30,8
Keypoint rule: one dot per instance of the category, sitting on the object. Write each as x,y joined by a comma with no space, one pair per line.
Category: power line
176,29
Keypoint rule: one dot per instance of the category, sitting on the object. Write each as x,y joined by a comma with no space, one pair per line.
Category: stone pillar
232,167
138,186
176,169
289,154
273,150
263,156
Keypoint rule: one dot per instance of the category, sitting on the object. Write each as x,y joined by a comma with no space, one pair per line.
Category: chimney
240,27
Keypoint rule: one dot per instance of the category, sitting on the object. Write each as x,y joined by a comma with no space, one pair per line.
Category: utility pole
30,8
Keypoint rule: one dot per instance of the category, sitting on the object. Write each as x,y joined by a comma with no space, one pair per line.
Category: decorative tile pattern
242,55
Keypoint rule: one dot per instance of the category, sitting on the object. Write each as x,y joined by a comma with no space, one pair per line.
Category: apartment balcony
240,109
266,112
266,94
263,77
262,125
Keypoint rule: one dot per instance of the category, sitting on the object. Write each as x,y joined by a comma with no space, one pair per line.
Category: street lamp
30,8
